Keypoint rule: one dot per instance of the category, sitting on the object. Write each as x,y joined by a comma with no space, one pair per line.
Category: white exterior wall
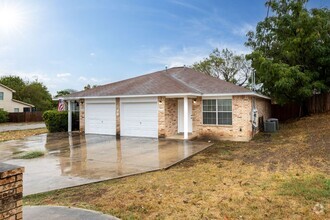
7,104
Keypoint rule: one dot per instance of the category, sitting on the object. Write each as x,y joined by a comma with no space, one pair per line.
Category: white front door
139,119
180,115
100,118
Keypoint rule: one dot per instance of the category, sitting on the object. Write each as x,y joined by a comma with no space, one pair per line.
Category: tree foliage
226,65
88,86
291,51
64,92
31,92
15,83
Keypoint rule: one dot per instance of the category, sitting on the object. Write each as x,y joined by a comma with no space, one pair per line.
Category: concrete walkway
60,212
21,126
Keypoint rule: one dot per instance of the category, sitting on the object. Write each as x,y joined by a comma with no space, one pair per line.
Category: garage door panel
100,118
139,119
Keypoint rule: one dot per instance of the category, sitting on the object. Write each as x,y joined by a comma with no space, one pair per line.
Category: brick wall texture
264,108
171,117
82,116
240,130
11,194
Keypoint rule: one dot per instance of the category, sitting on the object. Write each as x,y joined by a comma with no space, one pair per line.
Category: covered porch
177,117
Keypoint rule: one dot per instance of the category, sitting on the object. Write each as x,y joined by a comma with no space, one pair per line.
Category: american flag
61,105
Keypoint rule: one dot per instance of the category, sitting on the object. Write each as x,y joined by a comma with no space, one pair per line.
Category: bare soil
274,176
14,135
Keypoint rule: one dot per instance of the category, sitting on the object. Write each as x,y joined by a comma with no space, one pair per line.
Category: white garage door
100,118
139,119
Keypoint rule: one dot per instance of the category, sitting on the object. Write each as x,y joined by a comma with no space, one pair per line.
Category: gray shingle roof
171,81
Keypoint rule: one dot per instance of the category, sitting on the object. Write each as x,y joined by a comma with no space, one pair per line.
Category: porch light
194,101
160,102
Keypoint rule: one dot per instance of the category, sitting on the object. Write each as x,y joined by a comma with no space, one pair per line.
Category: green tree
291,51
37,94
226,65
64,92
88,86
15,83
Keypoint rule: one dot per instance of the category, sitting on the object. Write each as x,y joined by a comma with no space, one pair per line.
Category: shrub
56,121
3,116
30,155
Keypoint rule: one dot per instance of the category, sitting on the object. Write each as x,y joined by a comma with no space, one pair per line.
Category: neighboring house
170,102
7,103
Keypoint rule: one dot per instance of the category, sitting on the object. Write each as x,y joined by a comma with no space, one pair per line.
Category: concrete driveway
76,159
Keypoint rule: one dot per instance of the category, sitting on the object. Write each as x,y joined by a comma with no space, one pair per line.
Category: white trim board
176,95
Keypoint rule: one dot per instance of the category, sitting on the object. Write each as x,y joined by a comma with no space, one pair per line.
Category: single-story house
171,102
7,103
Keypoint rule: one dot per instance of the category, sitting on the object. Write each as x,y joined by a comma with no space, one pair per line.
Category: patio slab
76,159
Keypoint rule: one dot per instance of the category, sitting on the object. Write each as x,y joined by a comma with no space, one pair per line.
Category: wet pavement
75,159
60,212
21,126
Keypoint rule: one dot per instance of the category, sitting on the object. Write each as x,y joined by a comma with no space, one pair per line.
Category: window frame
2,97
217,110
15,109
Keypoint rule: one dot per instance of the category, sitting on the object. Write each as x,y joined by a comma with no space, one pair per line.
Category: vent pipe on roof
166,68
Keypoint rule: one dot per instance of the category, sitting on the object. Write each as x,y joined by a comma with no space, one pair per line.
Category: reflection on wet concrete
75,159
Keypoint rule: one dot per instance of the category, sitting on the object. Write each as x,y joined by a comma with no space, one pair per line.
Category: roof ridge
183,83
223,81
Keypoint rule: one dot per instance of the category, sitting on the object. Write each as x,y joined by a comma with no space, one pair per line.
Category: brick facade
11,192
117,117
82,116
264,108
241,128
171,116
161,117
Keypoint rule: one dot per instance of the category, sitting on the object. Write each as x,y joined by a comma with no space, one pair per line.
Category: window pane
1,95
209,105
209,118
224,118
224,105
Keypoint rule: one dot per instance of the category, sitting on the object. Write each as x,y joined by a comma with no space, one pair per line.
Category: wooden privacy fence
25,117
315,104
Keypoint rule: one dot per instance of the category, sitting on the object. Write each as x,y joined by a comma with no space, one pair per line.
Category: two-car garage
138,117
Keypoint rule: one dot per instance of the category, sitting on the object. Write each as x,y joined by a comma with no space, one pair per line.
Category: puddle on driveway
76,159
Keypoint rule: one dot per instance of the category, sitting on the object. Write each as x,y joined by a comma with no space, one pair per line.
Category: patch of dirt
306,141
14,135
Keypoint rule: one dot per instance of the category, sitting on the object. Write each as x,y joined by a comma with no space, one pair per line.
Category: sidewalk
21,126
60,212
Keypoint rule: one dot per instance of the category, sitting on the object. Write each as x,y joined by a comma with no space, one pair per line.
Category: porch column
185,118
69,117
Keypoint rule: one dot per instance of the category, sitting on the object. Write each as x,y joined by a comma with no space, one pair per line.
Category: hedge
3,116
56,121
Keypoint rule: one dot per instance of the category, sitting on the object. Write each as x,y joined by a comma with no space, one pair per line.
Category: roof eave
23,103
167,95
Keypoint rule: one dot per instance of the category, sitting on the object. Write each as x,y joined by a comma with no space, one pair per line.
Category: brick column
11,191
118,117
161,116
82,116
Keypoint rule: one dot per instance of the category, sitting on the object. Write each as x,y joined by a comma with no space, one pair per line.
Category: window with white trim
217,112
16,109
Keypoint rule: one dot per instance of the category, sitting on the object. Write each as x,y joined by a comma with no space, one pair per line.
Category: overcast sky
67,44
